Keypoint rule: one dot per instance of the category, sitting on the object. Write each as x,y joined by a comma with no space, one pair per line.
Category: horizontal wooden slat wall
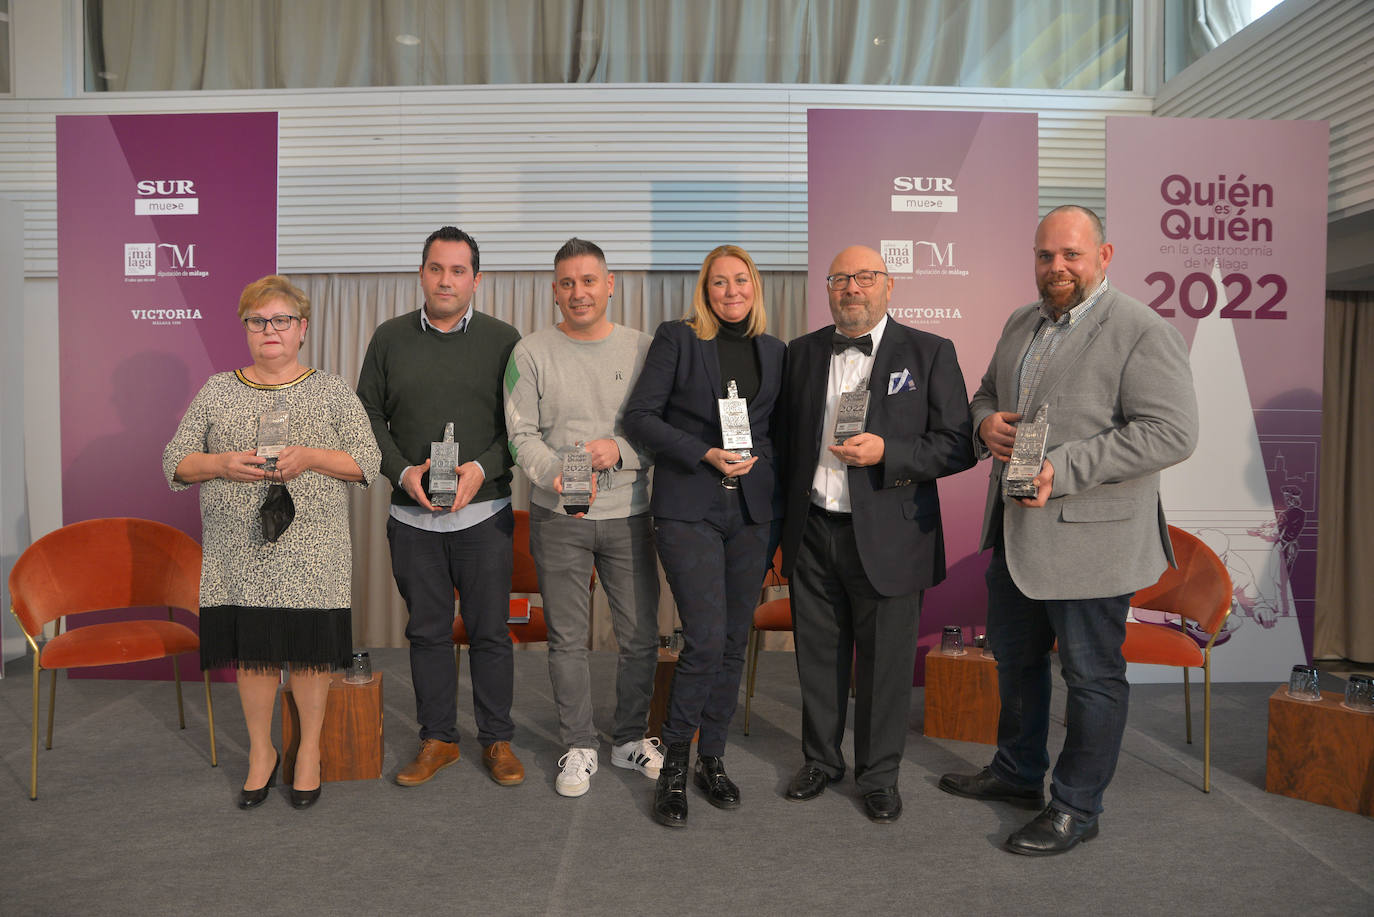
656,174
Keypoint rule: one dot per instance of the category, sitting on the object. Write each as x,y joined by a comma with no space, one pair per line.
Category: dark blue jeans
715,568
428,567
1021,632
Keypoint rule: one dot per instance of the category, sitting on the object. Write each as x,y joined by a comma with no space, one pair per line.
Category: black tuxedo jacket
926,434
673,413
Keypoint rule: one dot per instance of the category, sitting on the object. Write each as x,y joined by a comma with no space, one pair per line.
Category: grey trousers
565,551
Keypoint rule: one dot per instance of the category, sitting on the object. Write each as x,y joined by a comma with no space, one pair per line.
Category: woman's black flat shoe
251,799
304,799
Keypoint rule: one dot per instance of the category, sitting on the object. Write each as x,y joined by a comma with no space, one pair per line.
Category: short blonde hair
273,286
702,319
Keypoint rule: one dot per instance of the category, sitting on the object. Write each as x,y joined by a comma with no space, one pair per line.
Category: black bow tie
864,343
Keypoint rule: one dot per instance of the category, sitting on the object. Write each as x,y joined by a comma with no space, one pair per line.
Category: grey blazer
1121,409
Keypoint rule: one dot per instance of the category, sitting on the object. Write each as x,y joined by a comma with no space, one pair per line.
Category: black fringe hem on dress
269,638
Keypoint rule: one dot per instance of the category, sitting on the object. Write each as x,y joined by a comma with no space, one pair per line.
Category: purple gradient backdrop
991,162
1281,359
126,381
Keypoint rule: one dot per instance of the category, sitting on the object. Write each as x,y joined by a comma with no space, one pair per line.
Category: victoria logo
166,197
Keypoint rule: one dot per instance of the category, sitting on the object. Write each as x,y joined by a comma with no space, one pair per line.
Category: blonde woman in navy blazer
712,538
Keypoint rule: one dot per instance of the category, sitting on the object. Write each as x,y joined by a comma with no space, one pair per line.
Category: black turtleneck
738,359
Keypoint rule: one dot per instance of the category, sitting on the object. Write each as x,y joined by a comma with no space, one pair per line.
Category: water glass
1359,693
952,640
359,670
1302,684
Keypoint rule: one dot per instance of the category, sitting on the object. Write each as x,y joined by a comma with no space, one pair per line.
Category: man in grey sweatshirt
566,388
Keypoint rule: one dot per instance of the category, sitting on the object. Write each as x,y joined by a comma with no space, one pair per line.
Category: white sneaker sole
630,765
574,791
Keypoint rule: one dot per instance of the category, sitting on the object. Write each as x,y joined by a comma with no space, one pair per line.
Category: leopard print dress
266,604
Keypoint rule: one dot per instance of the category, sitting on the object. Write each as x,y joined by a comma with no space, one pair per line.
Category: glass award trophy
443,479
1027,456
850,418
272,435
577,480
735,434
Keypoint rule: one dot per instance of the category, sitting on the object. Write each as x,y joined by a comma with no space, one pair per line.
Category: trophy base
572,509
442,500
1019,490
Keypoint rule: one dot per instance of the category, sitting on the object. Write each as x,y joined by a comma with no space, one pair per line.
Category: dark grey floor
131,819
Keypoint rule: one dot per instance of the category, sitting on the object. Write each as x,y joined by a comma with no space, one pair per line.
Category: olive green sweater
414,380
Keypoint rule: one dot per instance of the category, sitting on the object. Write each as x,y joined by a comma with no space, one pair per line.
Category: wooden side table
961,700
351,738
1321,752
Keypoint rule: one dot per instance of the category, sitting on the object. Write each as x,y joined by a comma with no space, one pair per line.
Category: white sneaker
642,755
578,766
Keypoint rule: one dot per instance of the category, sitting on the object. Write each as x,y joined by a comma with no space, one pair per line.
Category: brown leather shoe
432,757
505,768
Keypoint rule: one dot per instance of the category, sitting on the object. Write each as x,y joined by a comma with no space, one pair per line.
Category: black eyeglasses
258,324
837,282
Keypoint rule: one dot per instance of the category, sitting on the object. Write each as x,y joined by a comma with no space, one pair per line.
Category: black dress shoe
808,783
304,799
883,806
983,785
710,778
670,792
251,799
1051,832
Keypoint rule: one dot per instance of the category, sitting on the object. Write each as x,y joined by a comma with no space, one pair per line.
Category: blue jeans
1021,632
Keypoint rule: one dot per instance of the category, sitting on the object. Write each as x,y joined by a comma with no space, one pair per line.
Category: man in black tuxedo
861,533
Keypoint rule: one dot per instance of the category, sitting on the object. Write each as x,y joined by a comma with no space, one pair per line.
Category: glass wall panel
189,45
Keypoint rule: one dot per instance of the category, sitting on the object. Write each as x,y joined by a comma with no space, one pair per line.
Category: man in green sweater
566,387
438,365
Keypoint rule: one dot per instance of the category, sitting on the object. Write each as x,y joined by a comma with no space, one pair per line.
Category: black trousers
715,568
428,567
840,622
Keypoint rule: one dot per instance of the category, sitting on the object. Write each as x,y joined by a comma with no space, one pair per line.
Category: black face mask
278,510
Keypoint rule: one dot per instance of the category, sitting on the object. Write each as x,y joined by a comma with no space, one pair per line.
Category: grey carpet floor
131,819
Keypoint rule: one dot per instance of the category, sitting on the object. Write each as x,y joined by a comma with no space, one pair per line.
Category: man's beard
1080,293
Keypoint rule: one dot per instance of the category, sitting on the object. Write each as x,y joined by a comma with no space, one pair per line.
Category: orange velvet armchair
1198,590
774,615
524,580
99,565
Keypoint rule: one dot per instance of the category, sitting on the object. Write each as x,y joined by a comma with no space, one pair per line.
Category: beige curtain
347,307
1344,625
189,45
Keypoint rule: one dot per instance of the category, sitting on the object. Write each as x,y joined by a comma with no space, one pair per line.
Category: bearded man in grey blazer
1121,408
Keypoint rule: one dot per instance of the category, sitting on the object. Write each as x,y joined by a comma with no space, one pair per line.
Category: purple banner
161,222
1220,225
951,200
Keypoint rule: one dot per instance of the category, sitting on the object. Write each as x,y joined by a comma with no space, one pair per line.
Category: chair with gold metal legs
1198,593
99,565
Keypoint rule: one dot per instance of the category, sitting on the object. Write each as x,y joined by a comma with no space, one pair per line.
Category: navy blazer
926,431
673,413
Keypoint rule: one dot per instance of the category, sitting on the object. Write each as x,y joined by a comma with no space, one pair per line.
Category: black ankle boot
720,790
670,793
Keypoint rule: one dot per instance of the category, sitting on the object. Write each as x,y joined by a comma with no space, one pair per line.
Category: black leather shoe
304,799
710,778
670,793
251,799
883,806
1051,832
983,785
808,783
